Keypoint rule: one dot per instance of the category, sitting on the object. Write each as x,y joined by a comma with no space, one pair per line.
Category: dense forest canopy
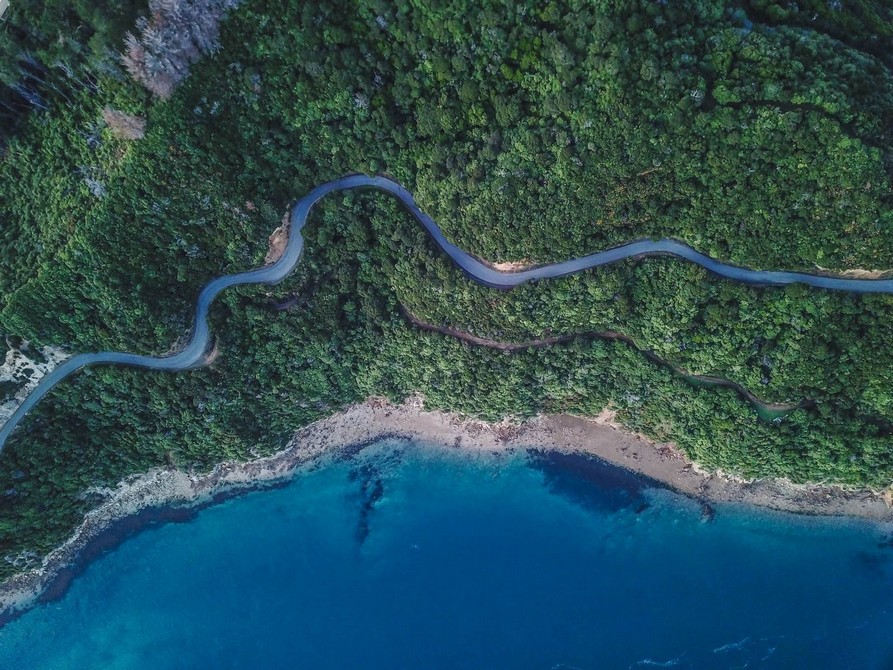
759,133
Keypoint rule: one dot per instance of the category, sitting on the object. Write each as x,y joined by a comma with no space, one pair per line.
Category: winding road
193,355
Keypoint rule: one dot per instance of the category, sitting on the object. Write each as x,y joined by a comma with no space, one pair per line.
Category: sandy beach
377,419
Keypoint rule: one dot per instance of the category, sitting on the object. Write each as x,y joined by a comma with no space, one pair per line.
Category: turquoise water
417,557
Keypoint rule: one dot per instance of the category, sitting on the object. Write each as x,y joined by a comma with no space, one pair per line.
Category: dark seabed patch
592,482
368,475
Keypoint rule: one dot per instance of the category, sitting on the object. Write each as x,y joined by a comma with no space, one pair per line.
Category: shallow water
418,557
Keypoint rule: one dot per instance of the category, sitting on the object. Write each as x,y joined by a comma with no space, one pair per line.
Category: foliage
52,51
530,131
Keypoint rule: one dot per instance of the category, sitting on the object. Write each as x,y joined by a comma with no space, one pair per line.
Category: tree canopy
531,132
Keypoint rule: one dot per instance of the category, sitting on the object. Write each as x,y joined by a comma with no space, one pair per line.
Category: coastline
373,420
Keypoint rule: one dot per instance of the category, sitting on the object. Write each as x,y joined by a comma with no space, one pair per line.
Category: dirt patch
124,126
513,266
857,273
278,241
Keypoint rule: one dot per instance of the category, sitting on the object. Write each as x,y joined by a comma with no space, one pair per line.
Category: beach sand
378,419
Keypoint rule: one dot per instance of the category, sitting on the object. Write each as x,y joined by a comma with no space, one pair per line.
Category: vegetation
54,50
530,131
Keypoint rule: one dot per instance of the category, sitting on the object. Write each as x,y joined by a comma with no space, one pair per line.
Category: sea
409,555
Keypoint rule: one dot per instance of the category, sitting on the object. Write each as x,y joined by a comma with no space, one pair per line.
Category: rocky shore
377,419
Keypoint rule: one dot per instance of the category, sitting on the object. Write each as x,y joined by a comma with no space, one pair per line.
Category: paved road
194,352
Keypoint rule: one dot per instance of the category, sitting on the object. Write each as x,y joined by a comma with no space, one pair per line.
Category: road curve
193,354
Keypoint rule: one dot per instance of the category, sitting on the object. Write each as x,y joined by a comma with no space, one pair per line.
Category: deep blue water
418,557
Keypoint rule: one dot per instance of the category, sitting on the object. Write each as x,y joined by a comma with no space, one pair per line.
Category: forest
142,157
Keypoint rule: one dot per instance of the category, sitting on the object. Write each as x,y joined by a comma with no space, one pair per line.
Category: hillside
532,133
